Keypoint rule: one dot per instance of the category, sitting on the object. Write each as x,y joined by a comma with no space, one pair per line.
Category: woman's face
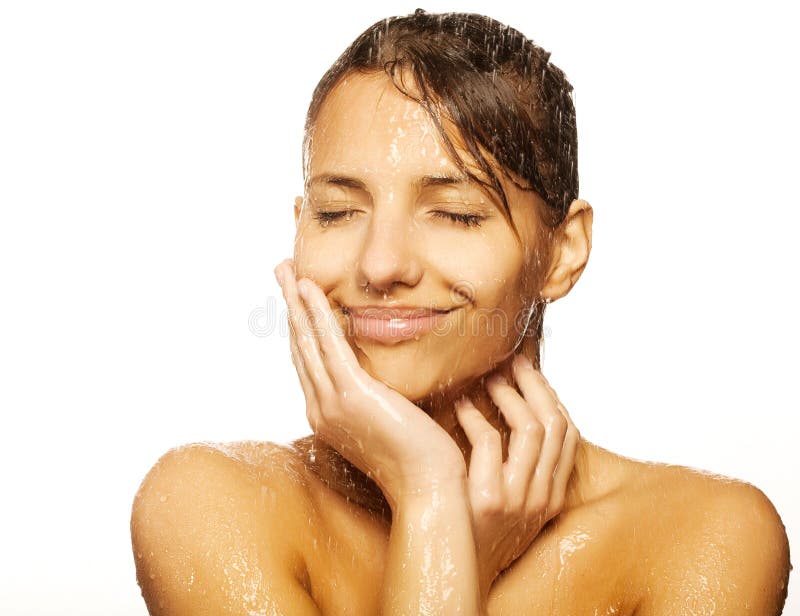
374,159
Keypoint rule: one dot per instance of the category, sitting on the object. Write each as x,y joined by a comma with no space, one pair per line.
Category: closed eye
325,218
468,220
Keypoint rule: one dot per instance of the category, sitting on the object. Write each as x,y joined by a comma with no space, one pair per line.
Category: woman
440,215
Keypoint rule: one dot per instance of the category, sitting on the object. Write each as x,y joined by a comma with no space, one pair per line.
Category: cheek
501,301
493,279
323,257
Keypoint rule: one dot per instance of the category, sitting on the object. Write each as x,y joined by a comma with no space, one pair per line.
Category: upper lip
392,312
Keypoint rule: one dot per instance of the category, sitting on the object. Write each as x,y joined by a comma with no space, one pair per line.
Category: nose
389,253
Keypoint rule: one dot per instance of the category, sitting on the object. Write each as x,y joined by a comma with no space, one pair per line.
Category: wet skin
233,527
251,526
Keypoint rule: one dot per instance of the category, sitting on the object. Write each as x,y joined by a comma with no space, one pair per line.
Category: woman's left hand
512,501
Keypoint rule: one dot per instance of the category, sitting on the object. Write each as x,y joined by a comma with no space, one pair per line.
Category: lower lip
393,330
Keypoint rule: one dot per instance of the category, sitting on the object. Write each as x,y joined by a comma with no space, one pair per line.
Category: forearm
432,564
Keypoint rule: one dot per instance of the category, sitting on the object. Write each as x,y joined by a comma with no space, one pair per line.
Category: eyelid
464,204
466,208
463,219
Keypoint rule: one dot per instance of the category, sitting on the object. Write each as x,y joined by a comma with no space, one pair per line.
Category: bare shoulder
212,530
716,545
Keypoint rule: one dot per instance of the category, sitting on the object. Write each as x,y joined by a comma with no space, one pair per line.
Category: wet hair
496,86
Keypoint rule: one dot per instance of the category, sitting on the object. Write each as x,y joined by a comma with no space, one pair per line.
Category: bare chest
580,564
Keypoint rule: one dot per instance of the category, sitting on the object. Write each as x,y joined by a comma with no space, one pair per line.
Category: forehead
367,126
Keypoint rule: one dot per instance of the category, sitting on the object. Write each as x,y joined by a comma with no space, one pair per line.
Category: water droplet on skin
163,498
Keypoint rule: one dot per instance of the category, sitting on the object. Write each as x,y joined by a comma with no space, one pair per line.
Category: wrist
445,490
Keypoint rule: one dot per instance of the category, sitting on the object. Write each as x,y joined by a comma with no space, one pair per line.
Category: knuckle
490,438
491,502
534,429
558,424
537,503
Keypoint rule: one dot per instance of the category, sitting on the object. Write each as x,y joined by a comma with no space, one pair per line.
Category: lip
392,312
396,324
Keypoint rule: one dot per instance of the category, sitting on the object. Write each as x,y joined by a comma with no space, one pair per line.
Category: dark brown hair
493,83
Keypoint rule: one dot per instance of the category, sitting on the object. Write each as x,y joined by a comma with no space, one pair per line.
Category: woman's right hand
379,430
512,501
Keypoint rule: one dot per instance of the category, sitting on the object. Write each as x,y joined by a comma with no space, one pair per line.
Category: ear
571,247
298,203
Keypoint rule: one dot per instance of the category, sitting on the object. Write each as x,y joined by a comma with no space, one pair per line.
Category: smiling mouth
386,326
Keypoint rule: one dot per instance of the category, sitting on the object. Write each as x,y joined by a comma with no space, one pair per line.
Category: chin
411,388
421,369
409,380
412,384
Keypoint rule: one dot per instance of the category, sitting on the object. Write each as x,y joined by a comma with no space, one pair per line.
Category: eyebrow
421,182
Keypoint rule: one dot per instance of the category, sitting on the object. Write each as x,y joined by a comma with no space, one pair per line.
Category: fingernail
278,275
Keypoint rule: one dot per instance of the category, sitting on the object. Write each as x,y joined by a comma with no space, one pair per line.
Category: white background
149,156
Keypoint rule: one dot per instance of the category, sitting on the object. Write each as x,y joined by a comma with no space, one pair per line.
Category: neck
342,476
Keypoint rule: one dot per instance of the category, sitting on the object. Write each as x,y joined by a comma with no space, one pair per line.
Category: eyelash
466,220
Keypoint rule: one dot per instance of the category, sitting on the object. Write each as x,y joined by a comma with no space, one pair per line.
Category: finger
564,469
526,439
560,406
566,462
485,461
297,358
312,405
543,403
309,353
337,354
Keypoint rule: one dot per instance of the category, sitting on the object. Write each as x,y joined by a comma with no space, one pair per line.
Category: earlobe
298,203
573,243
